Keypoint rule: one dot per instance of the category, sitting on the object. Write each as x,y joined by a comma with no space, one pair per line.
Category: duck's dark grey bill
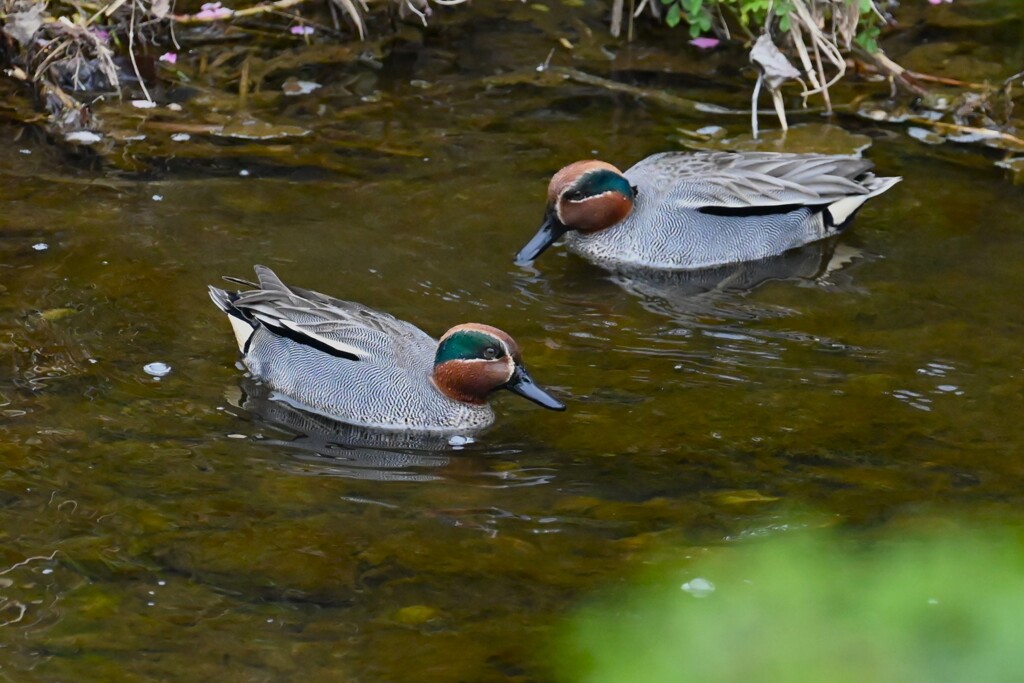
550,231
521,383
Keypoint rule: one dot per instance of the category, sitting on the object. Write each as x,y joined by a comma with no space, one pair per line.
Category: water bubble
157,369
699,587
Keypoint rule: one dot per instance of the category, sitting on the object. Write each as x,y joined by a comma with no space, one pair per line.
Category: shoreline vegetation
67,58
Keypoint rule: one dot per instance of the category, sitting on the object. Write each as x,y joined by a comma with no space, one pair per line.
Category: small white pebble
161,583
25,151
181,137
711,130
86,137
174,106
244,173
47,571
158,198
41,246
143,104
236,436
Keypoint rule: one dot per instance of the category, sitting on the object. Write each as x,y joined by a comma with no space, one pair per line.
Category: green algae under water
179,534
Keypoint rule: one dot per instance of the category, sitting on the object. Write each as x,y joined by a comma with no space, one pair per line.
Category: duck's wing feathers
725,181
341,328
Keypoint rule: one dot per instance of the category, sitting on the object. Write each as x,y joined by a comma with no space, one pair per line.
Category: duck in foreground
687,211
355,364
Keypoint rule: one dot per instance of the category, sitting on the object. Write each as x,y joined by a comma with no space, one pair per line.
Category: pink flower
301,30
938,2
169,57
705,43
213,10
101,34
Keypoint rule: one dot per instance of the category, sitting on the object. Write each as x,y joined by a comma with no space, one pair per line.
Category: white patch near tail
841,211
242,330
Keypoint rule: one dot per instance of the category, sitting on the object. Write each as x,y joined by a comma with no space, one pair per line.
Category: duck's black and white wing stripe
340,328
746,184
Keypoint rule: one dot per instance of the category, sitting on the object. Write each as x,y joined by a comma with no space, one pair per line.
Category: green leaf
784,23
694,30
868,38
692,6
673,16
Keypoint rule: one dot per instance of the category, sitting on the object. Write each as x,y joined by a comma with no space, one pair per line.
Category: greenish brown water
181,535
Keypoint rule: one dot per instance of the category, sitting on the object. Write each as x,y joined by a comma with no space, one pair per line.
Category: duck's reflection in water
719,293
320,446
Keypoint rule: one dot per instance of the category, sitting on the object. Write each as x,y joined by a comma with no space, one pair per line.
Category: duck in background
689,211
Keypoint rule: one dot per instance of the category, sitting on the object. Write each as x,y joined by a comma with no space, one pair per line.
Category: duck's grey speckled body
386,381
698,210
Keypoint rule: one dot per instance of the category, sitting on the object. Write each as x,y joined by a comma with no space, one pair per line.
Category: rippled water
183,527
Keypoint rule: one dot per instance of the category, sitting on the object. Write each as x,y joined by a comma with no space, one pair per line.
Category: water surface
182,528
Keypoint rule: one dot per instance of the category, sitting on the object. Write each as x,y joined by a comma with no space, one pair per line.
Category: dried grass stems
64,47
817,32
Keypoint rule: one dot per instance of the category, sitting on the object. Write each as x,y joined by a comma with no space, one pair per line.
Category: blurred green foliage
814,609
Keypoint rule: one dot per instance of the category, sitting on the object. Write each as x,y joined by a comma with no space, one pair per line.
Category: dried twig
131,54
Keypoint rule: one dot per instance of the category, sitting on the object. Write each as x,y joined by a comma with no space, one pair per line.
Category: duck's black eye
575,195
491,352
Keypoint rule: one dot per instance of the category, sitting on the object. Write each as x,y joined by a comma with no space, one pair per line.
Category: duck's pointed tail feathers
242,325
839,213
